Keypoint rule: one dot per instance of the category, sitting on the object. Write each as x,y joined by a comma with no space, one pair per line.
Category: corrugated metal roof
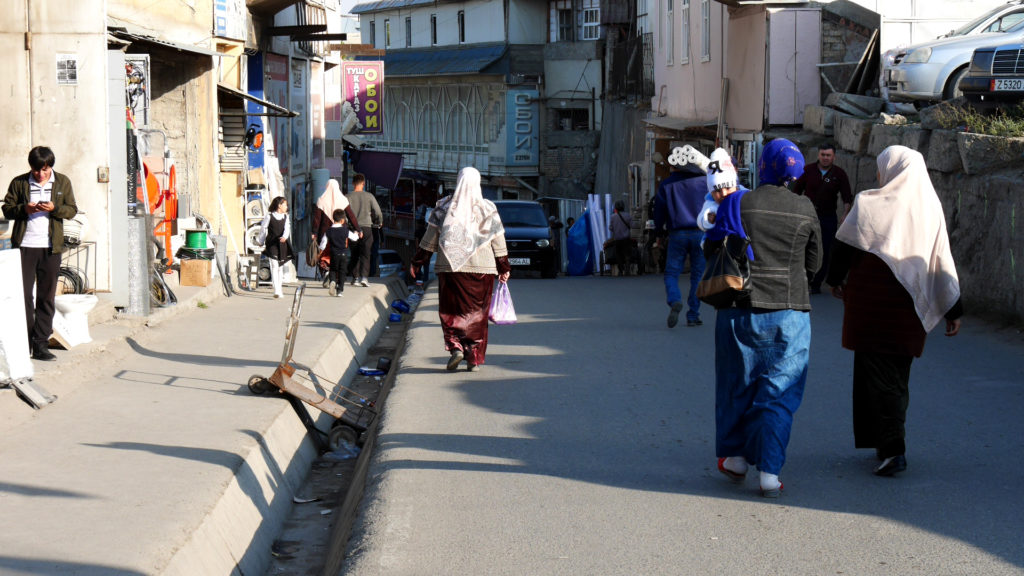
440,61
673,123
764,3
280,110
127,31
381,5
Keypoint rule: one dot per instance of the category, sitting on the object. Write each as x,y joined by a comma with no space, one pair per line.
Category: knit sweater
365,207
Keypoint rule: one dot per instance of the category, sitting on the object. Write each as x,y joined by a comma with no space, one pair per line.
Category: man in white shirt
38,202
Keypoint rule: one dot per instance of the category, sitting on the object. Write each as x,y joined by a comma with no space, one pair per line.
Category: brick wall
568,162
841,41
565,162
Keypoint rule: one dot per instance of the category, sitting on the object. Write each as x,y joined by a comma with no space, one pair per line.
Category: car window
1006,22
522,215
970,26
1011,20
1018,27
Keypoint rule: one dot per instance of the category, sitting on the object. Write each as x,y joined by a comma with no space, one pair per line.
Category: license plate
1015,85
519,261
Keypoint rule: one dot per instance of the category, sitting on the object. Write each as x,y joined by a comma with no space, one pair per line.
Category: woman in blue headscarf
762,342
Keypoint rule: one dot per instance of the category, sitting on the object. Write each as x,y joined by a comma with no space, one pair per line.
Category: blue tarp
578,247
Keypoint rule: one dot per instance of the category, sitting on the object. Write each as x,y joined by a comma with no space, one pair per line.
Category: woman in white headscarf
893,268
466,232
323,216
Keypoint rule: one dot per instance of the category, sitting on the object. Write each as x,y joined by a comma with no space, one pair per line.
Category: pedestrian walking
39,202
367,213
762,342
620,227
336,241
323,217
420,228
466,232
676,208
275,235
894,271
722,181
822,182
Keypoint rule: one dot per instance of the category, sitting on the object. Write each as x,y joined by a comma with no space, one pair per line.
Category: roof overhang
673,123
277,110
764,3
447,61
355,140
294,30
357,50
268,7
122,33
385,5
319,37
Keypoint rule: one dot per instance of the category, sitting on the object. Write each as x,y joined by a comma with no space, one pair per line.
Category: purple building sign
362,87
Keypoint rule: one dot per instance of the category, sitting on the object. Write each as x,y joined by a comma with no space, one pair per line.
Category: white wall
485,22
794,50
745,108
572,78
14,95
911,21
692,90
527,22
190,23
70,119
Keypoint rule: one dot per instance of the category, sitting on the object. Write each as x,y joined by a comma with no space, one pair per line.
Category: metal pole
344,171
138,267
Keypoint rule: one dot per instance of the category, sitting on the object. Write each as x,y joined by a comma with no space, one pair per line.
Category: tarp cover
578,241
381,168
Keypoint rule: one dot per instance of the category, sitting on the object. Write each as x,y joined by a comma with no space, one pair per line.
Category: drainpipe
31,79
287,136
593,108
